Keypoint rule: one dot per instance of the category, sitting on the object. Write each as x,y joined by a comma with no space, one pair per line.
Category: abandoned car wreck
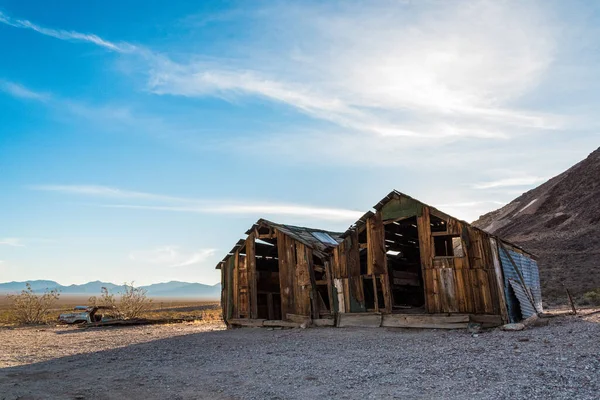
403,264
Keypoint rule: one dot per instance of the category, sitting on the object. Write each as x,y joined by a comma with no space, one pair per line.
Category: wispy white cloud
202,206
257,210
171,256
105,191
67,35
11,241
508,182
399,70
389,70
17,90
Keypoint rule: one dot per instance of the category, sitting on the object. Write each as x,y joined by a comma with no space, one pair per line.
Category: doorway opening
404,265
268,287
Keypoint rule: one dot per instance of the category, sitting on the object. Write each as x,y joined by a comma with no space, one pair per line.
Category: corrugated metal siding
529,270
527,309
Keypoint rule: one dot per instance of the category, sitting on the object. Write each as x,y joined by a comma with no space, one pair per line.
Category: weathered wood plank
236,286
252,281
425,321
339,290
352,254
499,280
332,301
247,322
300,319
448,287
285,282
425,242
280,324
323,322
357,301
376,254
387,293
302,281
363,320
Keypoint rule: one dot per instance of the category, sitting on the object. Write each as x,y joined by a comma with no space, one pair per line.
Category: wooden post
570,300
252,276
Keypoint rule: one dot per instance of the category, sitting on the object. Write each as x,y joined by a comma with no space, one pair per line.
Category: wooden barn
403,264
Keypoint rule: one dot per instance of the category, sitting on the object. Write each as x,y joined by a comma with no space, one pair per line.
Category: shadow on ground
557,361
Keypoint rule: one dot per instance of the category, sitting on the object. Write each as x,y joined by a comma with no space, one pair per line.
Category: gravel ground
561,360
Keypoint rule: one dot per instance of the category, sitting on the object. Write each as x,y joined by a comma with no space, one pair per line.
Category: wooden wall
349,283
296,278
467,284
295,265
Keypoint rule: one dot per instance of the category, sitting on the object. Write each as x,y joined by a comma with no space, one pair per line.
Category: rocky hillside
559,221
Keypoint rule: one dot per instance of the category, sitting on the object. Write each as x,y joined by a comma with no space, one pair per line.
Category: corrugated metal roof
324,237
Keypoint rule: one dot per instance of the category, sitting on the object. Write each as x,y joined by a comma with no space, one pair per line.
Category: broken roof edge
289,231
263,221
396,193
240,243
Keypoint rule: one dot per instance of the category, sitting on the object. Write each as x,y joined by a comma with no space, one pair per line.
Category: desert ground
202,360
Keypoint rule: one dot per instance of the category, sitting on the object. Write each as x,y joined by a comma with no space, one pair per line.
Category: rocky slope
559,221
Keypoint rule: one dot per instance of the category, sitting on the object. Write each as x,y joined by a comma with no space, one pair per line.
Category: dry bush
133,302
108,300
30,308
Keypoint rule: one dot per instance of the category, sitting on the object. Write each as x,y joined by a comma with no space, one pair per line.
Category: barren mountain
559,221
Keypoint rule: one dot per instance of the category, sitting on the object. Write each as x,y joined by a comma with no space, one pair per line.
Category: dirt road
181,361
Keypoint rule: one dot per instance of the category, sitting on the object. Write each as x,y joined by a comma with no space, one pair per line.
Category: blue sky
139,140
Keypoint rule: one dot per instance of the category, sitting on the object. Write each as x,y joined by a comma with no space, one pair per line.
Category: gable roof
395,194
321,241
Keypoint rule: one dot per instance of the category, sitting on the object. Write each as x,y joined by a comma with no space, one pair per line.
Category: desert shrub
30,308
130,304
133,302
592,297
106,299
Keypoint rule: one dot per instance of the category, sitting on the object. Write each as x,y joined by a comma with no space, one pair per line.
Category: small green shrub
592,297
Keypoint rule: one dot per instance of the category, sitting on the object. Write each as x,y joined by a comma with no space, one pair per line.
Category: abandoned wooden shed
278,273
403,264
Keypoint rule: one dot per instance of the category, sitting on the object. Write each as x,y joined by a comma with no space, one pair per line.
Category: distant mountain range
173,289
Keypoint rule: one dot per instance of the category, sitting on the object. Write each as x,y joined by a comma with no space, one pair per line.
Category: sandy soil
187,361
